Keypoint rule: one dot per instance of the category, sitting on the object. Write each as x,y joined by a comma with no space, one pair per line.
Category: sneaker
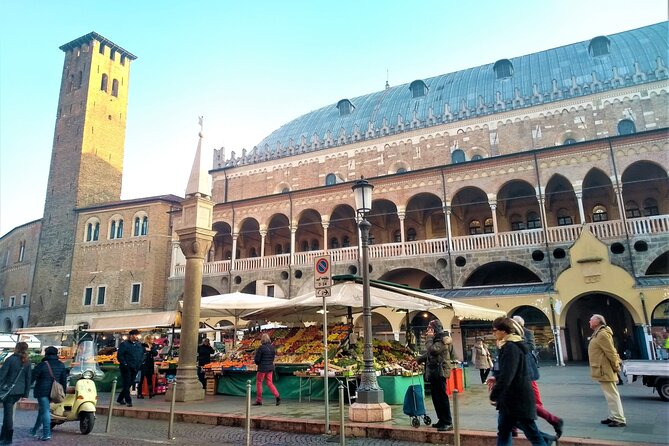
278,400
445,428
258,403
438,425
617,424
558,427
607,421
120,403
33,432
45,437
128,405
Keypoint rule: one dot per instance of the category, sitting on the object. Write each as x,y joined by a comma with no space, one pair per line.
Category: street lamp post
369,405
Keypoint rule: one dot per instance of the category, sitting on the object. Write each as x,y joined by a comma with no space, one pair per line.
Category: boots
6,436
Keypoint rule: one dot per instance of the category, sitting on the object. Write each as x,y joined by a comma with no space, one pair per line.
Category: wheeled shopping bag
414,405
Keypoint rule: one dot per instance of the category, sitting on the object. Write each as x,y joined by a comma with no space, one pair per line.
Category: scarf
511,337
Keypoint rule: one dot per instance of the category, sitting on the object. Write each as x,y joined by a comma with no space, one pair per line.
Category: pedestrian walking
147,369
531,357
264,359
439,358
512,391
14,385
481,359
49,370
605,364
204,352
130,356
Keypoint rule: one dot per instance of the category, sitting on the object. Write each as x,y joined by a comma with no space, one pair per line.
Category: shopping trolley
414,405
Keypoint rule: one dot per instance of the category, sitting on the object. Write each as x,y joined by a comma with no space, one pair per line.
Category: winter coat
204,353
530,357
148,363
264,358
481,357
130,354
42,378
513,388
9,372
439,357
603,357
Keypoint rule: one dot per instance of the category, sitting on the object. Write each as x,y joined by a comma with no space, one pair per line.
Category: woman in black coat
512,392
148,366
43,379
14,374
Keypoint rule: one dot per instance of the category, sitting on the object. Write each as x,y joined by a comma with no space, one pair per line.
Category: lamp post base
369,413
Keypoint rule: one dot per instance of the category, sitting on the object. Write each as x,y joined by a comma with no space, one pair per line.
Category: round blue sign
322,266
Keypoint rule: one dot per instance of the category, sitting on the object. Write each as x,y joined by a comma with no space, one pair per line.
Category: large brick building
535,184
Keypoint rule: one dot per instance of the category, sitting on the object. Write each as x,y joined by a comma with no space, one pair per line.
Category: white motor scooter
81,399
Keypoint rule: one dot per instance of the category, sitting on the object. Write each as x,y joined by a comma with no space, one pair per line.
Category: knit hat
436,325
51,351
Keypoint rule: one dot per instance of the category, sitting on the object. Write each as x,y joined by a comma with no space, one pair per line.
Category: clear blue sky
250,66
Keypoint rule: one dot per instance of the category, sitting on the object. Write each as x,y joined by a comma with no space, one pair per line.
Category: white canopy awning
128,322
47,330
344,295
234,304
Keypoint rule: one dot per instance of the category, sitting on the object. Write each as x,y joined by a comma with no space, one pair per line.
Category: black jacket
9,372
513,389
204,353
264,358
149,355
130,354
42,378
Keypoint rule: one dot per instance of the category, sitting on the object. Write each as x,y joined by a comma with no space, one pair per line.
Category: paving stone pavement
136,432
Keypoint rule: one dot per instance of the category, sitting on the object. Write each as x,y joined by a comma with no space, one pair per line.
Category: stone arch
659,266
412,277
277,240
342,226
7,325
248,239
561,202
516,197
643,182
222,243
382,329
598,191
309,235
502,273
424,213
384,220
539,323
469,204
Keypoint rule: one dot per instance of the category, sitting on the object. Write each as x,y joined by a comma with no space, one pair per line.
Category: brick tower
86,162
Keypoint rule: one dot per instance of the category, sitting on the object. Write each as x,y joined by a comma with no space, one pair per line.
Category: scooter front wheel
86,422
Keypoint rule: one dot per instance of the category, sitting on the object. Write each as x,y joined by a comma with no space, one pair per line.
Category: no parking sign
322,272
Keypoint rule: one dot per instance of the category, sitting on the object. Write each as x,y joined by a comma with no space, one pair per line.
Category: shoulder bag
57,394
6,389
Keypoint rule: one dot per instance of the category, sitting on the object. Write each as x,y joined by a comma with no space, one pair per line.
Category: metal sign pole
326,387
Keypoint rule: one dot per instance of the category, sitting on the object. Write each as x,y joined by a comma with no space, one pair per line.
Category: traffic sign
322,272
323,292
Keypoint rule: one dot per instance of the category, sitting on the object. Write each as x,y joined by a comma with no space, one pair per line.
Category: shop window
533,220
411,235
632,210
517,223
488,227
135,293
474,227
88,295
564,219
626,127
599,213
650,207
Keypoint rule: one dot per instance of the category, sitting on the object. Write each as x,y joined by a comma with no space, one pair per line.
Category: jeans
505,424
128,375
265,376
43,416
8,412
440,401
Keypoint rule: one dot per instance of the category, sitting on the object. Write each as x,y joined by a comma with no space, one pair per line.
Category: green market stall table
394,387
307,382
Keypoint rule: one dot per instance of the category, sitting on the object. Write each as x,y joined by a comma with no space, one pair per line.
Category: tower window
503,68
599,46
122,59
102,292
135,293
112,54
458,156
103,84
345,107
80,78
102,48
418,89
626,127
22,250
330,179
145,225
88,296
115,88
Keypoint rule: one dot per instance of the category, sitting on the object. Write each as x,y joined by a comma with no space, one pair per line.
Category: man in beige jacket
604,367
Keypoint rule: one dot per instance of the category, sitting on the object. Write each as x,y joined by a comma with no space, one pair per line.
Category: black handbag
6,389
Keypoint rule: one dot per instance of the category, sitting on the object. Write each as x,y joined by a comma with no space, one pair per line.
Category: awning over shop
48,330
234,304
128,322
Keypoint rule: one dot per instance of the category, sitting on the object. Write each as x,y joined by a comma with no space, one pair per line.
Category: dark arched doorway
577,328
501,273
537,321
412,277
659,326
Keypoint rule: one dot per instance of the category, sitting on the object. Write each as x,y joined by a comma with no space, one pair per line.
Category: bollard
111,406
248,413
170,426
342,430
456,418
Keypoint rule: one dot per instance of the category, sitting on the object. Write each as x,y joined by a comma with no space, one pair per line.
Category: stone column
621,205
493,208
233,255
542,210
402,215
448,226
579,200
293,230
173,260
195,244
326,225
263,234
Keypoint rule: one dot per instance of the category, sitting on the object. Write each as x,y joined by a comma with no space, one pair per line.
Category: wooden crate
211,387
